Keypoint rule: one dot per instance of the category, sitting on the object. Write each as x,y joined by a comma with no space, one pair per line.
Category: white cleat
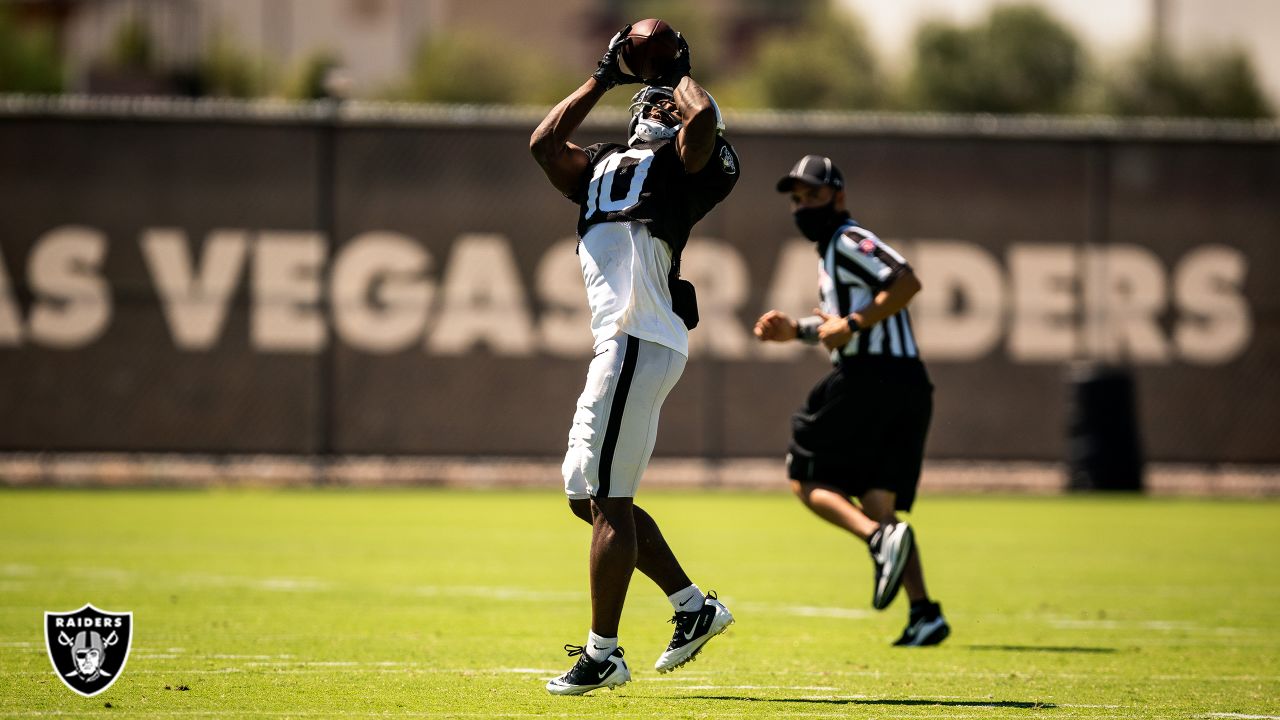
588,675
693,630
890,548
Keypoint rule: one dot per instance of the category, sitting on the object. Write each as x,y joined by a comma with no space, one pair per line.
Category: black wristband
807,329
854,325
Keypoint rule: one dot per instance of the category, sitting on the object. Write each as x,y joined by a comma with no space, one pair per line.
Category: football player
637,203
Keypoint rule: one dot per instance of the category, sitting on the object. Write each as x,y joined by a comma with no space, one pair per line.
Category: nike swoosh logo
692,631
606,672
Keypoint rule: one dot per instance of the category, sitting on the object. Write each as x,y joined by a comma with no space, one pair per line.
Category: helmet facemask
654,118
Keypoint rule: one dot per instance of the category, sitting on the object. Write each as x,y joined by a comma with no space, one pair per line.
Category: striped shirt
854,267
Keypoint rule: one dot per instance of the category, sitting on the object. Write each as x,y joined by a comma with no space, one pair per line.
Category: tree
309,82
133,48
29,60
1219,85
464,69
827,63
228,71
1021,60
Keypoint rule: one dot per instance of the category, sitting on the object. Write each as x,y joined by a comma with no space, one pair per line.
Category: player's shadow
1046,648
1013,704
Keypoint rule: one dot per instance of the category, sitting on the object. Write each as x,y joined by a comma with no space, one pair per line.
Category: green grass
455,604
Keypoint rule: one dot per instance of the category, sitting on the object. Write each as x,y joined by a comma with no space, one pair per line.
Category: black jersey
650,186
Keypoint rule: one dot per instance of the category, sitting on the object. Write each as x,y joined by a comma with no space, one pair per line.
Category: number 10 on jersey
600,194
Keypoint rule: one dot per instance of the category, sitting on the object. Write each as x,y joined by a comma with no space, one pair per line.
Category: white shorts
616,423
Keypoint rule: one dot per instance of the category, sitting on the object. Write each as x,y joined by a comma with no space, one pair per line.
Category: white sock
687,600
599,648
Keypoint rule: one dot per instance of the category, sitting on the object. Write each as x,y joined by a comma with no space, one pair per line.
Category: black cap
813,169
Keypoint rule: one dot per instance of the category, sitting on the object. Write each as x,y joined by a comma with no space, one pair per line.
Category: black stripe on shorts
613,429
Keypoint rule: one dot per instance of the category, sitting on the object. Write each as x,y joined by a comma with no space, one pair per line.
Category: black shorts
863,427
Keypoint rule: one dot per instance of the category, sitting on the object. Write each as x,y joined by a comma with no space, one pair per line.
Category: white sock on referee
687,600
599,648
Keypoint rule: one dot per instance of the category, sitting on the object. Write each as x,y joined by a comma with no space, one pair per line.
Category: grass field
334,603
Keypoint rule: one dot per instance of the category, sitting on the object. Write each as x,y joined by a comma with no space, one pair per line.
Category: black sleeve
579,194
715,180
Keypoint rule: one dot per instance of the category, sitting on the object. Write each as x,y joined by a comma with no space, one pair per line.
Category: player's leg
612,439
613,558
698,617
654,558
587,473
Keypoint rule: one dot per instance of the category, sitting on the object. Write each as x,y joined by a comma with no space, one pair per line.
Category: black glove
679,67
608,73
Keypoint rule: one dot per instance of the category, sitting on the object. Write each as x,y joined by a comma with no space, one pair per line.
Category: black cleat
693,630
588,675
890,547
925,626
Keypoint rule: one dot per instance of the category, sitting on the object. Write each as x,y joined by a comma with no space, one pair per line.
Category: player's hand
679,67
834,332
608,73
775,326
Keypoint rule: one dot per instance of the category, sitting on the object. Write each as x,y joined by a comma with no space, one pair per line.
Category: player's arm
561,160
697,137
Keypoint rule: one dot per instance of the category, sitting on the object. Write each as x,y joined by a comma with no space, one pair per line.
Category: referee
858,441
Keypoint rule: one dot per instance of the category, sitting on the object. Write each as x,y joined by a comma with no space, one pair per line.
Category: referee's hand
776,326
834,332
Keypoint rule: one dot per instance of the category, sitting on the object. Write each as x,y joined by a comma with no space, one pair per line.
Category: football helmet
652,122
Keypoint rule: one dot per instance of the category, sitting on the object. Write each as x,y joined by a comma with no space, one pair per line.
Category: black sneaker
925,626
588,675
890,547
693,630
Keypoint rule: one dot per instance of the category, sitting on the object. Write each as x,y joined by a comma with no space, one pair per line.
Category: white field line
273,584
488,592
522,594
1239,716
1145,625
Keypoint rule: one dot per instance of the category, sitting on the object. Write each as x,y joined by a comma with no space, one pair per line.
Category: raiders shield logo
727,162
88,647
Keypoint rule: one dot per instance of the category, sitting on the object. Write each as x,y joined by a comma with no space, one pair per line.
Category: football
651,48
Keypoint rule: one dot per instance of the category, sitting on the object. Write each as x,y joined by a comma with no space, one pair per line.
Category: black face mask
818,224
